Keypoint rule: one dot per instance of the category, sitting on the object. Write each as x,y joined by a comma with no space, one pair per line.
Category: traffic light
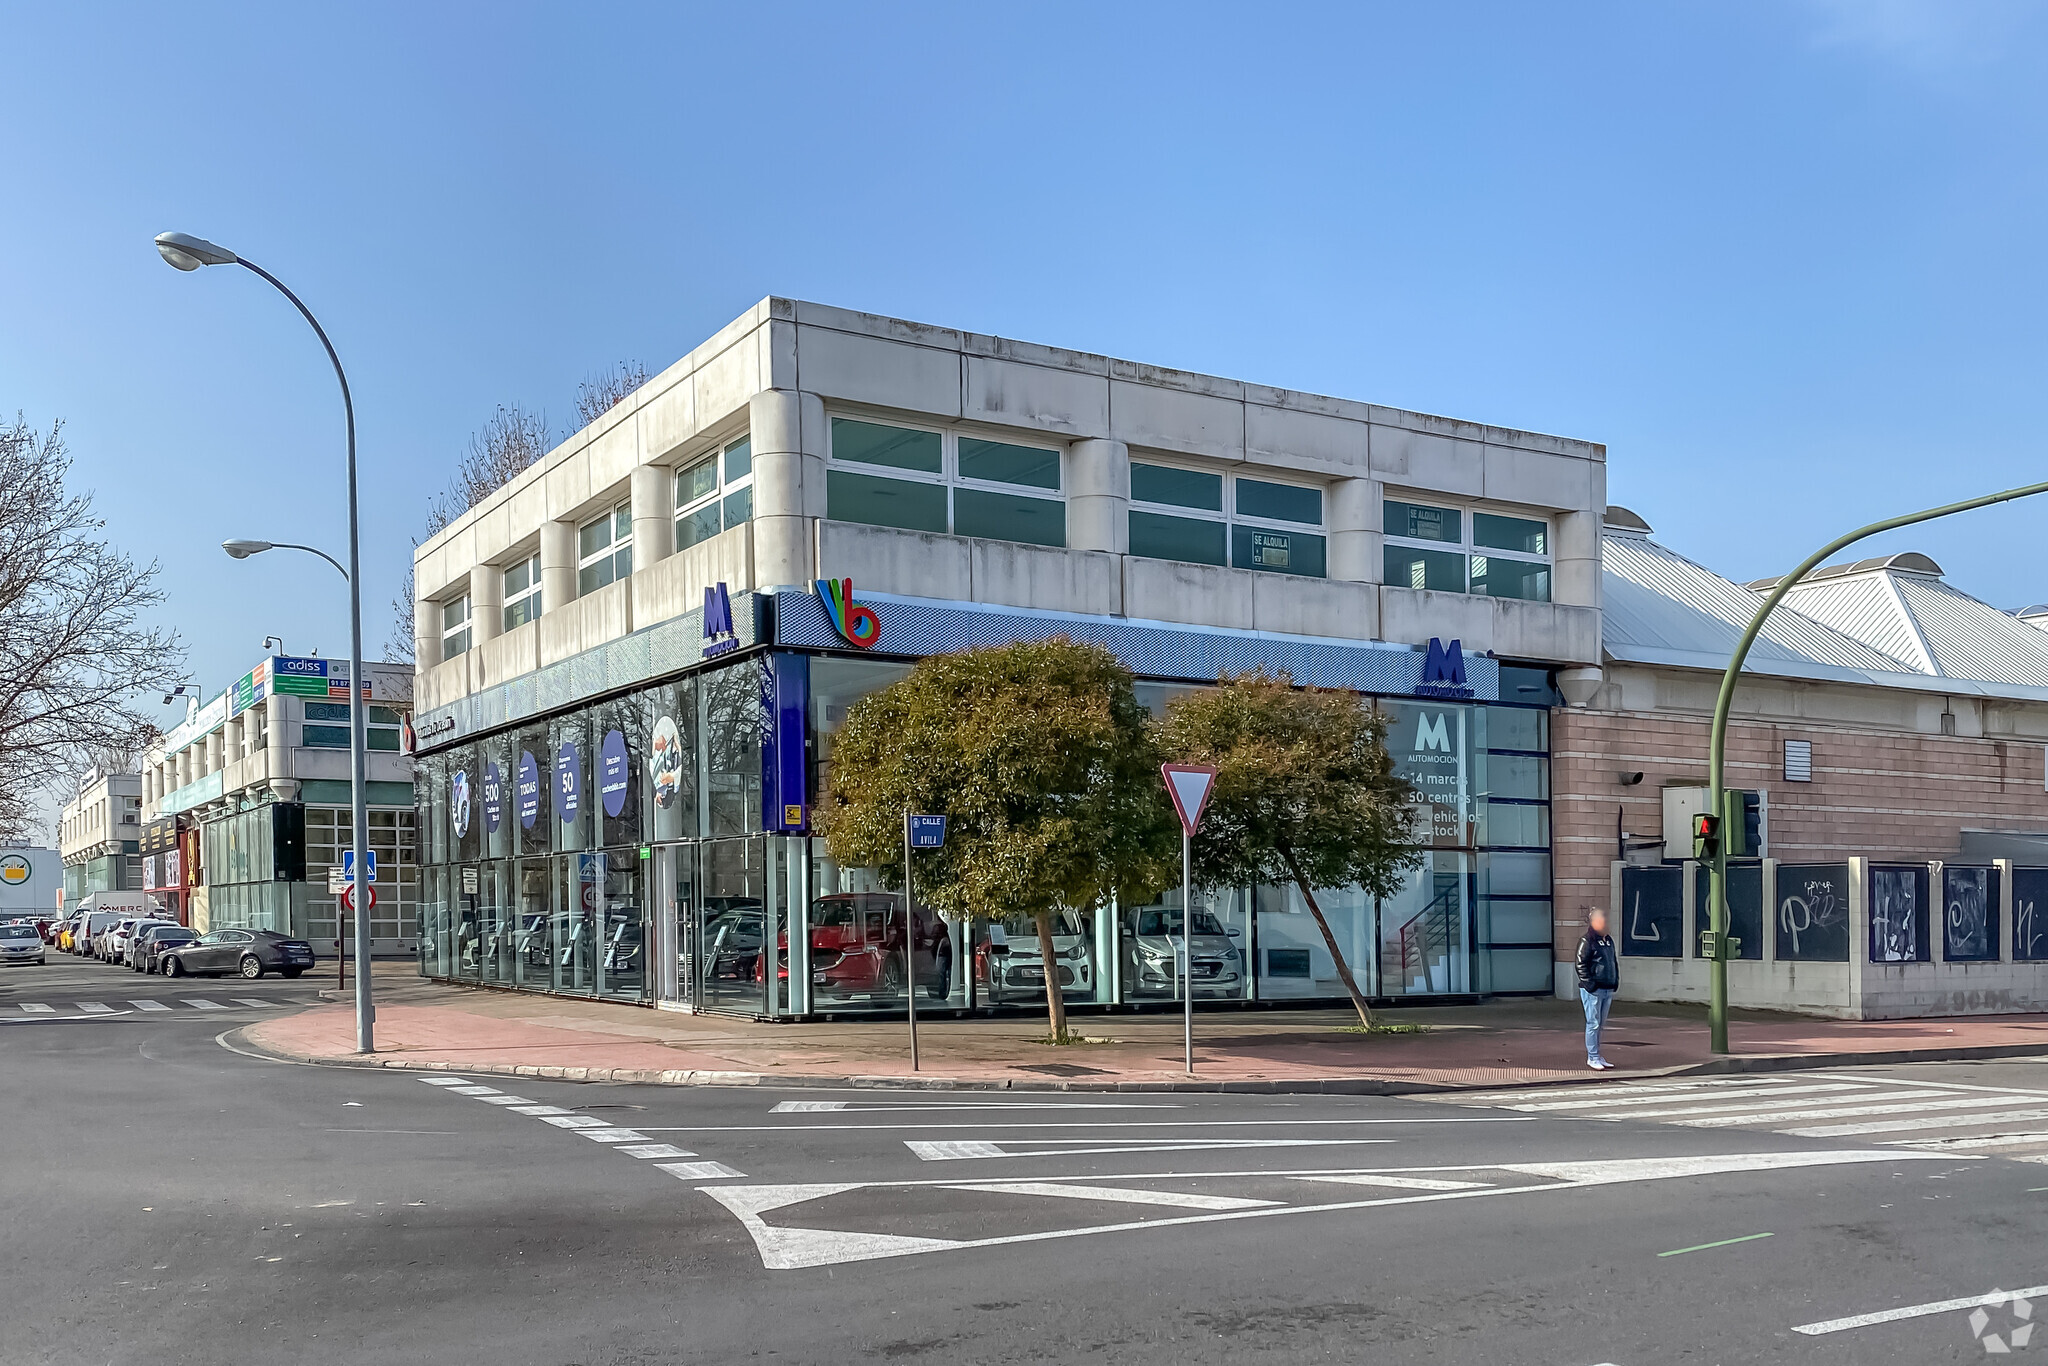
1743,811
1706,835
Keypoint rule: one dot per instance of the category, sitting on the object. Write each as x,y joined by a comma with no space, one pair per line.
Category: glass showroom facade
652,846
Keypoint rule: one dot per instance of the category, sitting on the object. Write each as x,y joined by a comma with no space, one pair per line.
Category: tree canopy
1040,756
1305,792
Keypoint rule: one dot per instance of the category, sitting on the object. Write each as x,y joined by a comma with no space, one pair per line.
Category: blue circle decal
494,797
529,790
612,767
568,782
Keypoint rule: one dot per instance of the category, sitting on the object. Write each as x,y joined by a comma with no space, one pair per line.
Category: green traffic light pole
1716,946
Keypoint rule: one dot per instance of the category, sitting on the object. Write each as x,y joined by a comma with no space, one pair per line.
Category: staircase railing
1430,932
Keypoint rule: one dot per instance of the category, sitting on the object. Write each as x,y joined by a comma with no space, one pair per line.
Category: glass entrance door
732,928
671,901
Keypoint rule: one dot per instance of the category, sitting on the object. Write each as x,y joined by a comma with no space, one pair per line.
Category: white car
1019,974
19,943
1153,942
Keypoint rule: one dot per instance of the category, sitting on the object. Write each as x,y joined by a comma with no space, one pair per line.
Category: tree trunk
1055,999
1329,939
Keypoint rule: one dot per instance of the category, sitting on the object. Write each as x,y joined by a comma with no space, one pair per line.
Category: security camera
1629,779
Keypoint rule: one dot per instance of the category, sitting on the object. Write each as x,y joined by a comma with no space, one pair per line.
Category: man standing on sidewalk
1599,975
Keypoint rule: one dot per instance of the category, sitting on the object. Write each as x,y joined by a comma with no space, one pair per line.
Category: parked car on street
149,936
19,943
114,943
91,925
857,948
250,953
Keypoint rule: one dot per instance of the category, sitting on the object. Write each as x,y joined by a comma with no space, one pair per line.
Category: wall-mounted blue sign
613,773
568,782
785,723
529,790
719,635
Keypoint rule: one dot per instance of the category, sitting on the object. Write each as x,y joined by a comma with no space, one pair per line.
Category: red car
857,948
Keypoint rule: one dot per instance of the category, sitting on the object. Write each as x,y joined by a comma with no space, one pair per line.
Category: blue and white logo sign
529,790
927,832
494,798
719,635
1443,671
568,782
613,769
458,802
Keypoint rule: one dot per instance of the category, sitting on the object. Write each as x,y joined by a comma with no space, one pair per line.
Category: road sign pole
909,944
1187,957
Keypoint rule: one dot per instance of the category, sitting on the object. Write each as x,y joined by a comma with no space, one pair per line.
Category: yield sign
1189,785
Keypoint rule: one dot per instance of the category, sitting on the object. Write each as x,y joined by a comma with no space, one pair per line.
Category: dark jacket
1599,970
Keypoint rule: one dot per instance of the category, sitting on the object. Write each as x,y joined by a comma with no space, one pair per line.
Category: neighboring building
629,678
98,832
31,880
248,802
1889,721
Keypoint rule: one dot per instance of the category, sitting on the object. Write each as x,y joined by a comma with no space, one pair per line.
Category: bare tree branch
598,394
77,652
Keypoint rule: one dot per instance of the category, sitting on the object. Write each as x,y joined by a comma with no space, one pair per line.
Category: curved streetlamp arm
1717,1016
311,550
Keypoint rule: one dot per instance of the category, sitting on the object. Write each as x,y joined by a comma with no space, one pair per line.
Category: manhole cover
1065,1069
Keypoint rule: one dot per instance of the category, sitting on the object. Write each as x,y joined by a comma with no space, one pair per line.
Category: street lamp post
185,252
1717,867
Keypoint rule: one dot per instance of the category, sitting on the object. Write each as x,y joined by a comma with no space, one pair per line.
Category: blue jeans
1597,1004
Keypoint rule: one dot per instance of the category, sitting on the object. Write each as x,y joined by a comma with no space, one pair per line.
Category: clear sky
1785,259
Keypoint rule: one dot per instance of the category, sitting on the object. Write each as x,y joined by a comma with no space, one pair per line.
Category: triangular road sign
1189,786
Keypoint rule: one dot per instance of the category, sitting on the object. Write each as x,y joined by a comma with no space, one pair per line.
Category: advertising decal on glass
458,801
612,772
529,789
665,759
494,797
568,782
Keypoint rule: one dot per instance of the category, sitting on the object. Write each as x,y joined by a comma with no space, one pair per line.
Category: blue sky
1783,259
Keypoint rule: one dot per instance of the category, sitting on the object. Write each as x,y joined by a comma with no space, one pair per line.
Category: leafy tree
1304,792
1041,758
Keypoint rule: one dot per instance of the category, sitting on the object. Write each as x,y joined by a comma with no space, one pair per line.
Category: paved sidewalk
425,1025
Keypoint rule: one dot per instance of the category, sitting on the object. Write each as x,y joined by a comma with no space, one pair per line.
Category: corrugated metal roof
1973,639
1659,607
1865,607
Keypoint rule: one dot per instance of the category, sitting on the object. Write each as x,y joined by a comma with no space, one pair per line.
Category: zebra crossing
75,1010
1888,1111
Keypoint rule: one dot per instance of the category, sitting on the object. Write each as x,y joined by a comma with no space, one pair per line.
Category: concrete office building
629,681
97,834
247,802
1895,728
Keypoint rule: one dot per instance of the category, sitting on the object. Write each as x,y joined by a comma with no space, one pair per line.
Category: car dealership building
634,657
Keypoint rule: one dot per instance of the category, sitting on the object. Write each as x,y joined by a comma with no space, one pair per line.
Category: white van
101,911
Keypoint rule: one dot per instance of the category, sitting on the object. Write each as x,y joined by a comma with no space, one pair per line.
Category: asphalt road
169,1200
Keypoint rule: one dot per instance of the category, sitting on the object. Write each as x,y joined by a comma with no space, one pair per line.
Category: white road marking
94,1008
1076,1124
445,1081
614,1135
1984,1141
33,1008
1420,1183
1498,1098
472,1091
1766,1108
654,1150
1954,1085
816,1107
1613,1101
1847,1112
537,1110
505,1100
252,1001
149,1005
573,1121
1116,1194
1888,1126
783,1249
1915,1311
201,1003
698,1171
955,1151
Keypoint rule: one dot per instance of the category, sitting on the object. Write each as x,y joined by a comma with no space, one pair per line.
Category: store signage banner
529,790
494,797
614,773
785,722
569,782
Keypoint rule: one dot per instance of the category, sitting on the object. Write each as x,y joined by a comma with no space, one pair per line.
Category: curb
1312,1086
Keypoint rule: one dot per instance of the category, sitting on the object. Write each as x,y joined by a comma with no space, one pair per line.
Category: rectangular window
454,627
936,481
522,592
324,737
715,494
1179,514
1447,550
604,550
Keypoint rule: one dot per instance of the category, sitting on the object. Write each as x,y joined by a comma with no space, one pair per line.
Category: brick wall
1885,794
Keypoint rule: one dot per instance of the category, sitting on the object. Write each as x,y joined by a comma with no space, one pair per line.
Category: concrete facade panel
1315,607
883,374
1046,577
1538,479
586,623
1173,420
725,382
1205,595
675,586
1036,396
1298,440
912,563
1428,462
